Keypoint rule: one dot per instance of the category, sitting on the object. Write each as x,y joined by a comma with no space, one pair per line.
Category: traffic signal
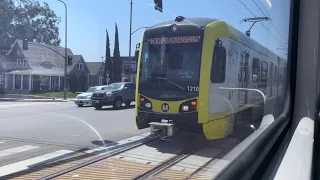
126,70
158,5
25,44
69,60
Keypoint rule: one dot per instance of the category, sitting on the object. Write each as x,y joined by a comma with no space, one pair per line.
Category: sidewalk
28,98
34,100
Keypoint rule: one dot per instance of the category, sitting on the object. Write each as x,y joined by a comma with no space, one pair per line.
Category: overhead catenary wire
270,22
260,22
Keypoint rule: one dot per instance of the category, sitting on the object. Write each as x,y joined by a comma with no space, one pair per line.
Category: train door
243,77
256,81
264,77
220,97
233,74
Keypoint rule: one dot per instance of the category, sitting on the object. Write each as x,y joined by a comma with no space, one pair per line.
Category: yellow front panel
215,126
211,33
138,74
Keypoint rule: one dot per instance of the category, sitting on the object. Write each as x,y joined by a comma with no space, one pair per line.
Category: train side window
256,70
218,66
264,71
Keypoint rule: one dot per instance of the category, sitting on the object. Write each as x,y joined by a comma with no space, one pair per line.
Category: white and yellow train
202,73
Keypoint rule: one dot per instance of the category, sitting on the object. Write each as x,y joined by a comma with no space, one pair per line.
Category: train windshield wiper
157,77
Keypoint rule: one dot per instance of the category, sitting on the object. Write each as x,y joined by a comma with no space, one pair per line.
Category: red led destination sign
175,40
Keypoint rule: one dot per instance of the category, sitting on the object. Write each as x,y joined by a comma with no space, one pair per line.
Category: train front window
175,63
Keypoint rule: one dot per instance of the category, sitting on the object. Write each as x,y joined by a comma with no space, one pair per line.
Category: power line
260,22
270,22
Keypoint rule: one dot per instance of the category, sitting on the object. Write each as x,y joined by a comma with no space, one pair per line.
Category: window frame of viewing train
218,63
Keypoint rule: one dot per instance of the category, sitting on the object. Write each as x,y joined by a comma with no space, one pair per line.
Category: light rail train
205,74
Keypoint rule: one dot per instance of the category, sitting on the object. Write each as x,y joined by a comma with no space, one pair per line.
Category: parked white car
85,97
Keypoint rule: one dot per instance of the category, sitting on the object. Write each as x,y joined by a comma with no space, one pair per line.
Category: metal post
102,58
65,54
130,40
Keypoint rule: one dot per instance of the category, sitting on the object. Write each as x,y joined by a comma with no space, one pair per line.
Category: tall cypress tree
108,61
117,63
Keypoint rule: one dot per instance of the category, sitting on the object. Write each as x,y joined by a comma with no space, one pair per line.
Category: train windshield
171,66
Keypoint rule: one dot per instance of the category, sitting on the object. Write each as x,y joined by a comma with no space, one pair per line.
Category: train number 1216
193,88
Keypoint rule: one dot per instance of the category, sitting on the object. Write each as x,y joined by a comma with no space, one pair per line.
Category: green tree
108,62
6,16
28,20
117,63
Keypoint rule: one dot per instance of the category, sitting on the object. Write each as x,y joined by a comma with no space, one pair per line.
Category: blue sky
88,21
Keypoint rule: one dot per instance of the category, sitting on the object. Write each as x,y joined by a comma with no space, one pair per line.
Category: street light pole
130,40
65,53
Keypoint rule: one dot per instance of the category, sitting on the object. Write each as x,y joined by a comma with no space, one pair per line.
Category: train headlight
148,105
145,103
185,108
188,106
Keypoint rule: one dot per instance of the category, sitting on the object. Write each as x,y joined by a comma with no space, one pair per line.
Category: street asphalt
31,129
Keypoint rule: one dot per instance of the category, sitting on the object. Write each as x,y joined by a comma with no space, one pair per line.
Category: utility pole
130,40
65,53
158,6
102,58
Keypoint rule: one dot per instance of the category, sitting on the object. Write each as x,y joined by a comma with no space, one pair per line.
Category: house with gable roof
40,68
96,73
96,69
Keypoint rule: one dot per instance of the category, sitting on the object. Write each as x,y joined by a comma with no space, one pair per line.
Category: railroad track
113,153
165,165
153,158
101,164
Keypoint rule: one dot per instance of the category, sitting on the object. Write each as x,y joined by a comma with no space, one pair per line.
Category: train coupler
161,127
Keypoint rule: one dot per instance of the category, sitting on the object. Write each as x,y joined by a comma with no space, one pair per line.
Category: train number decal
193,88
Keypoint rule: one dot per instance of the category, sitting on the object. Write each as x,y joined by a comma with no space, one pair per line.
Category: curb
41,100
9,99
32,100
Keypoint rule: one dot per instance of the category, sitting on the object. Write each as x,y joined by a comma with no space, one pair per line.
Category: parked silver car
85,97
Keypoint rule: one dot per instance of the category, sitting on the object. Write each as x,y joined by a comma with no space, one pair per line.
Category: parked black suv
114,94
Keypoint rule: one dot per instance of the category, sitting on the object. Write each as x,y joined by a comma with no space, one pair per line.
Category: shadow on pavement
86,106
104,142
110,108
